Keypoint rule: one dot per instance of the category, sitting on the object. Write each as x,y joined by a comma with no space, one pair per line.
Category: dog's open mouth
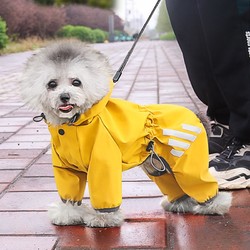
66,108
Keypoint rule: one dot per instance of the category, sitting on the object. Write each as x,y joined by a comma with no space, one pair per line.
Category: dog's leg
183,205
100,219
68,213
220,205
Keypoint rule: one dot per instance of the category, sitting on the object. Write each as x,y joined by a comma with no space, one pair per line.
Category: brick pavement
154,74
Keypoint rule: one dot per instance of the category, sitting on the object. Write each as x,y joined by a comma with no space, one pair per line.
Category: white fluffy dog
96,137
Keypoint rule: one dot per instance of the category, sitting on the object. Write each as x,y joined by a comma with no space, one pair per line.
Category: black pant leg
187,25
225,36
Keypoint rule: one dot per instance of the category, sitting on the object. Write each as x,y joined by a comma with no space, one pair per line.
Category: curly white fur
68,214
220,205
98,219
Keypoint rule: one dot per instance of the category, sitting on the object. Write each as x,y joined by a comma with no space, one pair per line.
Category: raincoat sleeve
105,173
70,183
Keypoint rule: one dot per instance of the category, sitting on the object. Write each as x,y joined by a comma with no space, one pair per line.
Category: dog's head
64,79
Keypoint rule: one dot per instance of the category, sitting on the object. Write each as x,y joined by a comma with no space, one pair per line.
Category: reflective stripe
176,153
179,144
179,134
191,128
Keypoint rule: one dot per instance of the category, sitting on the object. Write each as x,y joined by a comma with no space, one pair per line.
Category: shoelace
232,149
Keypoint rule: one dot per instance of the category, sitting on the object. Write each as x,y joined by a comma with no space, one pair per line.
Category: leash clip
157,165
74,118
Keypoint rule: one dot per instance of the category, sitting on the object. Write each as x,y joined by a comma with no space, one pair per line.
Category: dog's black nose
64,97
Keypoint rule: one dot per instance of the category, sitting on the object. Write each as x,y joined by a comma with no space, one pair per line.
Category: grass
168,36
24,45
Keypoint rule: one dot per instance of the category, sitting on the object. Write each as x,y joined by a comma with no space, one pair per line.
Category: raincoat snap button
61,131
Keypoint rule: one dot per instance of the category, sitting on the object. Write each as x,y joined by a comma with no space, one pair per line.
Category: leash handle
119,71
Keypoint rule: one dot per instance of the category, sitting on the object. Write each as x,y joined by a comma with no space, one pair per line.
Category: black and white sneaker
231,167
219,138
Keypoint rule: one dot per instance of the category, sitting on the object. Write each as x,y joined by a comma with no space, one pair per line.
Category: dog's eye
76,83
52,84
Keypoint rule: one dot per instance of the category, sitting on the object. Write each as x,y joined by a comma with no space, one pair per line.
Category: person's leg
187,25
225,35
225,38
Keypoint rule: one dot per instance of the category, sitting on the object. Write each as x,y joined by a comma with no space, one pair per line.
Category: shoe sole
212,156
237,178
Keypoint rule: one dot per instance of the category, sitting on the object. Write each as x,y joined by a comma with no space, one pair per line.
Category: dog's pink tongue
66,107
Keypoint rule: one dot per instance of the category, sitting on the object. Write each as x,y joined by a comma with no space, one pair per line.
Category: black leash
119,71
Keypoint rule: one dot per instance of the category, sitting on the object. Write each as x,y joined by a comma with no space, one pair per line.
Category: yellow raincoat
113,136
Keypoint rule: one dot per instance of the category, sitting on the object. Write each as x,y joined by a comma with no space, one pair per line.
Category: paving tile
149,77
23,112
34,184
8,175
37,125
24,145
4,136
40,170
14,163
241,198
28,201
143,101
140,189
210,232
25,223
29,138
134,174
13,121
165,79
5,111
27,243
9,129
19,154
142,208
46,158
3,186
133,235
33,131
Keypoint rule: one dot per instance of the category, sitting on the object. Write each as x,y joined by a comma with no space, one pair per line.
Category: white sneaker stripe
179,134
191,128
179,144
176,153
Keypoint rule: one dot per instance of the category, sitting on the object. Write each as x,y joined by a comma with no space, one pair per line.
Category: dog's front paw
67,213
98,219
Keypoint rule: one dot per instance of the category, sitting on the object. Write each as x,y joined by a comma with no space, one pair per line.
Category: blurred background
28,24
